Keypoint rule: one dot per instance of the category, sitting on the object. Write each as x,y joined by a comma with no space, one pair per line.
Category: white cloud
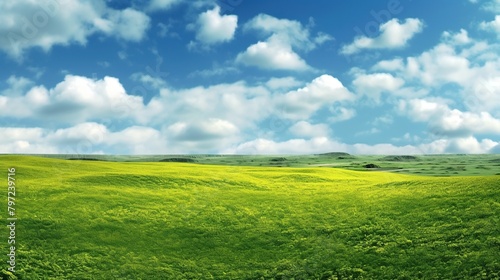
393,35
289,32
128,24
463,68
440,65
138,140
389,65
493,26
460,38
385,149
373,85
470,145
244,105
304,102
449,122
94,138
323,144
74,100
84,138
216,70
492,6
283,38
308,130
22,140
386,119
149,82
211,135
201,131
79,99
272,55
91,132
16,86
213,28
483,94
29,24
318,145
292,146
341,114
282,83
158,5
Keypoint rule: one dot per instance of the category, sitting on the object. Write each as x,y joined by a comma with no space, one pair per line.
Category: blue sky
249,77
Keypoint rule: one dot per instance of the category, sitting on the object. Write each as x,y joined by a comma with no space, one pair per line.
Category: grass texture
164,220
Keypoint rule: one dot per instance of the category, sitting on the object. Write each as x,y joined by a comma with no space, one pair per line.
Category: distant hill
399,158
177,160
336,154
85,158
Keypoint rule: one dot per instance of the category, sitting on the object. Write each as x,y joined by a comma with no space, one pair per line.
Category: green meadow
260,218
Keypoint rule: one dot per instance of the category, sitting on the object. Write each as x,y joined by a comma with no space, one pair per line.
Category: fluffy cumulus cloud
460,38
43,24
389,65
198,119
393,35
278,50
308,130
24,140
444,121
282,83
239,103
493,26
212,27
128,24
16,86
74,100
272,55
440,65
205,135
84,138
304,102
374,84
470,66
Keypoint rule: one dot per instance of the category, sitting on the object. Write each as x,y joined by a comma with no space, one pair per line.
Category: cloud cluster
393,35
278,50
493,26
192,119
74,100
43,24
449,122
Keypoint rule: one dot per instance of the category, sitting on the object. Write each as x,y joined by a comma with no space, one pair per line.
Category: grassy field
432,165
86,219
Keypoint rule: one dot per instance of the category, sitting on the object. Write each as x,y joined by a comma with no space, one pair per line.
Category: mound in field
399,158
177,160
336,154
84,158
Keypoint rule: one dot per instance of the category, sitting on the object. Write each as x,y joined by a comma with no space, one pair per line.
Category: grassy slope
434,165
106,220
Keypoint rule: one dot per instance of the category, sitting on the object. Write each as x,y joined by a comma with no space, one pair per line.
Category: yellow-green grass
131,220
